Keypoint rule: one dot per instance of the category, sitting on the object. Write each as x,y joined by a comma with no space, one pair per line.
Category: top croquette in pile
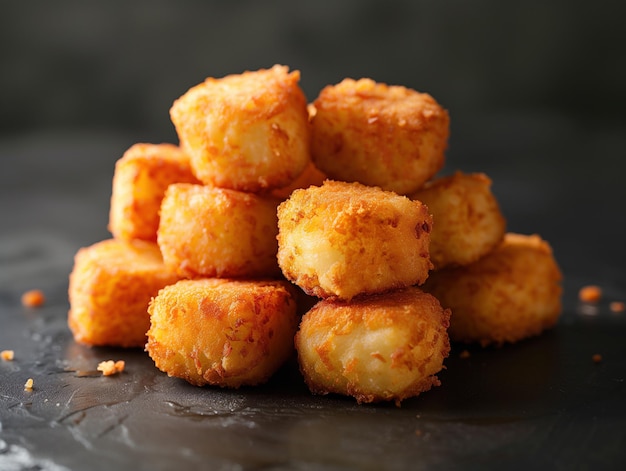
379,135
247,132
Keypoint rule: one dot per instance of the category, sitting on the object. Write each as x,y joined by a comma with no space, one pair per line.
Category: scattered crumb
29,384
596,357
33,298
617,306
7,355
418,433
590,294
464,354
111,367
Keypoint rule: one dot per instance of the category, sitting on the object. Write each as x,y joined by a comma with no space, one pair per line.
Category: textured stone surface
522,405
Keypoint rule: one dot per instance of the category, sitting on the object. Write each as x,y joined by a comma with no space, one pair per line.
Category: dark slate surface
540,402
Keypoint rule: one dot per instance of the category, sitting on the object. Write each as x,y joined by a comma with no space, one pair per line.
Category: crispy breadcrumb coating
208,231
110,288
247,132
467,221
385,347
379,135
141,177
512,293
310,176
344,239
220,332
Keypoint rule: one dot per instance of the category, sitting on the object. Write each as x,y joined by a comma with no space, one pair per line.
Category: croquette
385,347
216,232
247,132
221,332
343,239
110,287
380,135
510,294
139,182
467,221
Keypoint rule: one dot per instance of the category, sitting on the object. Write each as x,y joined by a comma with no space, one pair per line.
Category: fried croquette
385,347
141,177
512,293
221,332
468,222
343,239
207,231
379,135
110,288
247,132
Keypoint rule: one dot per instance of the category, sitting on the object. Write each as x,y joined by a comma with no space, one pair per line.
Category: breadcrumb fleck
464,354
111,367
617,306
596,357
33,298
590,294
7,355
28,386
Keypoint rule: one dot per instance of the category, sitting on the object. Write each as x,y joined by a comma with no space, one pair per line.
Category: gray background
120,64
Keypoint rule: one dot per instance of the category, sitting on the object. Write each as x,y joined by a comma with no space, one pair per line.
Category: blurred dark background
535,91
119,64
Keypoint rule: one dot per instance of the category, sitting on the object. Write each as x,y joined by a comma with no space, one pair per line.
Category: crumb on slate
111,367
7,355
33,298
